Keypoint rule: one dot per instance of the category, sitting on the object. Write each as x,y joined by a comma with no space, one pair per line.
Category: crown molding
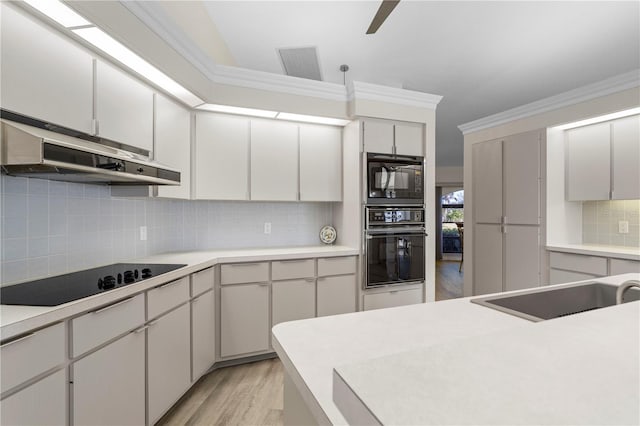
591,91
373,92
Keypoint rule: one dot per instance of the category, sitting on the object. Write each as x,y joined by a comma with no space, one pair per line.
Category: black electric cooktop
53,291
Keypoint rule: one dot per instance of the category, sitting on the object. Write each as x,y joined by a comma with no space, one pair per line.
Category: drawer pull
333,258
141,329
244,264
294,260
20,339
263,284
309,280
170,283
111,306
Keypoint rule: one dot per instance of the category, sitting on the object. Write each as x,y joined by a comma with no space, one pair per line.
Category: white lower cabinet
109,384
168,360
336,295
42,403
244,319
558,276
622,266
392,298
293,300
203,334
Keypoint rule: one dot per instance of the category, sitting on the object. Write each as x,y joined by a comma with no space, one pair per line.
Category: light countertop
628,253
15,319
447,359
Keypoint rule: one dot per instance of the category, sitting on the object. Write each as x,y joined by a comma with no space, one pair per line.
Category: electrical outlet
143,233
267,227
623,226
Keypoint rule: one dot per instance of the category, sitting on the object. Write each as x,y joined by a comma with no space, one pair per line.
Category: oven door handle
371,236
396,231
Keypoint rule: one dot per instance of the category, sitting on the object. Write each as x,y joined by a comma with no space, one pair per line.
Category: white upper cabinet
221,157
173,145
320,163
378,137
408,139
387,137
124,108
625,165
44,75
522,178
274,161
588,153
487,182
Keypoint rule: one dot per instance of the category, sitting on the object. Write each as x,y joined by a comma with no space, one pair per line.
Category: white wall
449,176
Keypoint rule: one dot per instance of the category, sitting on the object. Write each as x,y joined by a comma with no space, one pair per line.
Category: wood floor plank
449,280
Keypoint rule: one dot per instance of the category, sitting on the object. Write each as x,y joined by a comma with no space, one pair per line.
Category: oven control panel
395,216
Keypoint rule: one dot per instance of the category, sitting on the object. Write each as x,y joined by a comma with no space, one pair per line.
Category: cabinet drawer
621,266
593,265
557,276
202,281
30,355
392,298
96,327
336,265
42,403
336,295
162,298
291,269
237,273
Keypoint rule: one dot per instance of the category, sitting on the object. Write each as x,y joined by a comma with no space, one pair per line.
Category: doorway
449,242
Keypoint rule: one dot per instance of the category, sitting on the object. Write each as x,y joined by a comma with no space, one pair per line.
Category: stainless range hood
34,152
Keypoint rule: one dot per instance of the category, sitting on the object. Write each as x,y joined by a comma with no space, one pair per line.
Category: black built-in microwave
395,179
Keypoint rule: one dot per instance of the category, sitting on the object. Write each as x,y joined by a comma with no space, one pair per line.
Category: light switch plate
143,233
623,226
267,227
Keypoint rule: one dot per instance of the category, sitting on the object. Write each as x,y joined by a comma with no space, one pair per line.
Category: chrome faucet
622,288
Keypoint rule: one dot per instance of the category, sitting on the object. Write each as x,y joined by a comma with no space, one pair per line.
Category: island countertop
375,352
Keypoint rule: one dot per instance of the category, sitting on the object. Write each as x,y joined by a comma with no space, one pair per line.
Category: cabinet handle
309,280
170,283
263,284
294,260
393,292
244,264
20,339
122,302
332,258
141,329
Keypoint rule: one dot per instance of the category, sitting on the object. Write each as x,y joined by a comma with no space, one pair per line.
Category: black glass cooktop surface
53,291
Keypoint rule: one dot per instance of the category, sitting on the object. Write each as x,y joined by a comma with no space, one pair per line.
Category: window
452,215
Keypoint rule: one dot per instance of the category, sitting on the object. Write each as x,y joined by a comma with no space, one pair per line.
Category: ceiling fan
382,14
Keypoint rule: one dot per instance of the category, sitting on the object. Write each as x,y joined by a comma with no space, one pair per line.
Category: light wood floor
449,281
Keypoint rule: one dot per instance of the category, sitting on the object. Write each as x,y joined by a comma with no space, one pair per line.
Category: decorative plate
328,234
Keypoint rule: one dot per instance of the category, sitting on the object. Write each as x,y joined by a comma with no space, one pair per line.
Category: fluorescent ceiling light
238,110
312,119
118,51
600,119
59,12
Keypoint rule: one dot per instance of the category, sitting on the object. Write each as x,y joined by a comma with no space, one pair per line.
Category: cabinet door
621,266
378,137
588,159
336,295
173,145
44,75
124,108
293,300
487,182
320,163
522,257
244,319
203,334
625,167
274,161
168,360
392,298
487,259
42,403
559,276
409,140
522,178
221,157
109,385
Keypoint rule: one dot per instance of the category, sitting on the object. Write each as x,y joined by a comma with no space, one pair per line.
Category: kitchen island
456,362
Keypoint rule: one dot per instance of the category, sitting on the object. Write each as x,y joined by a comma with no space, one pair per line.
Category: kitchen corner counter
618,252
17,319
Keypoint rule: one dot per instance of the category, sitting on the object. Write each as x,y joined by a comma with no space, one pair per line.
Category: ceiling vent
301,62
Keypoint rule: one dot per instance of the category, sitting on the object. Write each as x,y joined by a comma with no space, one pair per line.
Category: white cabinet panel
622,266
320,163
522,179
168,360
43,403
558,276
293,300
487,182
378,137
274,161
290,269
236,273
44,75
109,385
124,108
336,265
588,161
203,334
522,257
336,295
244,319
409,140
167,296
392,298
173,145
625,166
202,281
221,157
594,265
487,259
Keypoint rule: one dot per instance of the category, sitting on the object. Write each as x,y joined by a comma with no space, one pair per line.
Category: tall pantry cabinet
507,237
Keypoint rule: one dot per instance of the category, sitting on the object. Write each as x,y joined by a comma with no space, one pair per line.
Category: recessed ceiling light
238,110
312,119
600,119
59,12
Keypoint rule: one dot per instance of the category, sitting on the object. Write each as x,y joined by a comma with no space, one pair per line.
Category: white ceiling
483,57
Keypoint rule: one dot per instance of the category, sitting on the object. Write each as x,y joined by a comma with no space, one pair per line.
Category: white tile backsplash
50,228
600,222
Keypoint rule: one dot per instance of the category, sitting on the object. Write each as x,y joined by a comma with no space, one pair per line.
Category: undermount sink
547,303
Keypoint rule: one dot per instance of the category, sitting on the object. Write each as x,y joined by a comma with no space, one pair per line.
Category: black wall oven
395,179
394,246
